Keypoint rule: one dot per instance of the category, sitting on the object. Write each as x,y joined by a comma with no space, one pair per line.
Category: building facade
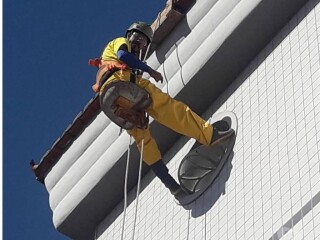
259,59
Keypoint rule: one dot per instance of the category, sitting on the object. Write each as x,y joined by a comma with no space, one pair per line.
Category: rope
164,73
165,77
125,191
138,190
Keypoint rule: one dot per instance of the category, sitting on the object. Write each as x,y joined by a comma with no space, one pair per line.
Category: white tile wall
271,189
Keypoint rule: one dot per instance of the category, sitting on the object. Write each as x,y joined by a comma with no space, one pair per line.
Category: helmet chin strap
140,54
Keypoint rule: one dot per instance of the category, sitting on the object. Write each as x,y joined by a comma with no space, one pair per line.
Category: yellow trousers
170,113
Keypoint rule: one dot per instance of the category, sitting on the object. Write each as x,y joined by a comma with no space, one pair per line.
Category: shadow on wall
205,202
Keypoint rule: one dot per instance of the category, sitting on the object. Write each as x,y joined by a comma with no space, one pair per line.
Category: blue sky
46,83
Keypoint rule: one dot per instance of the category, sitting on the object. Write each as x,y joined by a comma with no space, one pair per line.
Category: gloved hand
156,75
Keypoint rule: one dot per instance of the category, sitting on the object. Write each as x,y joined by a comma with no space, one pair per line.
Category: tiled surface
271,189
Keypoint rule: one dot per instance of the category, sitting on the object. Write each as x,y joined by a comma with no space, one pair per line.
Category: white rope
138,189
125,191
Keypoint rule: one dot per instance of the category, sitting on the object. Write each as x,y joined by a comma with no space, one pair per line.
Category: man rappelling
127,98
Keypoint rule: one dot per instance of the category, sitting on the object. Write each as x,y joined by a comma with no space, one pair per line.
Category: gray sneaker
219,135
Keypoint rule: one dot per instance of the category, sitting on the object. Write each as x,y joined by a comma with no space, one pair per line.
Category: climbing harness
125,103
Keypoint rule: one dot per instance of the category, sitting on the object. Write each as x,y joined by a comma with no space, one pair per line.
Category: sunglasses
139,37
